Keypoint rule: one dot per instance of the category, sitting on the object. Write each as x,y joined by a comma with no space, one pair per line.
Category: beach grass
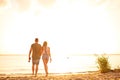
103,64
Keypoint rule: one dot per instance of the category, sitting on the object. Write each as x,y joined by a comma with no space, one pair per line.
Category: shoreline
65,73
90,75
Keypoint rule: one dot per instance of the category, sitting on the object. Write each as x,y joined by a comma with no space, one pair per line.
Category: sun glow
74,27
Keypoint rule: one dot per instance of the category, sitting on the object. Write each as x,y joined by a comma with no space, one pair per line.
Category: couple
37,51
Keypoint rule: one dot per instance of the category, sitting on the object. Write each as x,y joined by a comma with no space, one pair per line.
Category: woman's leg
45,61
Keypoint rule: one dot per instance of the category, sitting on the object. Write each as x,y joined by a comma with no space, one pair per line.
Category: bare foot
46,75
35,75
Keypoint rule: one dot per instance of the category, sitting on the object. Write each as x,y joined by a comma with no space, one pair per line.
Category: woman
46,56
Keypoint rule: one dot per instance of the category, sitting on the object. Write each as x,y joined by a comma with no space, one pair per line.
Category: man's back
36,51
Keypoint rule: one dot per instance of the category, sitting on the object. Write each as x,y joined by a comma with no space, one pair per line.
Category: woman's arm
49,54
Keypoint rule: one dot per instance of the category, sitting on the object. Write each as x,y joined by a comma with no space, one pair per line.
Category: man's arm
29,58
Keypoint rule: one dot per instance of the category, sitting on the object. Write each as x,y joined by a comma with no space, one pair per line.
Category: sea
18,63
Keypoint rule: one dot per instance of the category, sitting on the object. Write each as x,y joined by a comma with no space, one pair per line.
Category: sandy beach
70,76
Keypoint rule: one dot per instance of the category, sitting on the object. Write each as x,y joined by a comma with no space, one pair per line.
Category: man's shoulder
40,45
34,44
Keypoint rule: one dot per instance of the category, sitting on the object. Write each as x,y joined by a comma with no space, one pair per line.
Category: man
36,50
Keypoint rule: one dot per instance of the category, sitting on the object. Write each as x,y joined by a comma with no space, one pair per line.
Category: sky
69,26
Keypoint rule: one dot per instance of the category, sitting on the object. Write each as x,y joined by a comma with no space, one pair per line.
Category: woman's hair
45,43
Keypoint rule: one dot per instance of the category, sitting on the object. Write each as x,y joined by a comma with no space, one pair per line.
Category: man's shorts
36,61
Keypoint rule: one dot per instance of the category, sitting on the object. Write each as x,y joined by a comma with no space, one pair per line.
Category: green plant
103,64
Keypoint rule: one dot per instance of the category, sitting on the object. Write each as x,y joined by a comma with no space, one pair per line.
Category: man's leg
33,69
36,70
